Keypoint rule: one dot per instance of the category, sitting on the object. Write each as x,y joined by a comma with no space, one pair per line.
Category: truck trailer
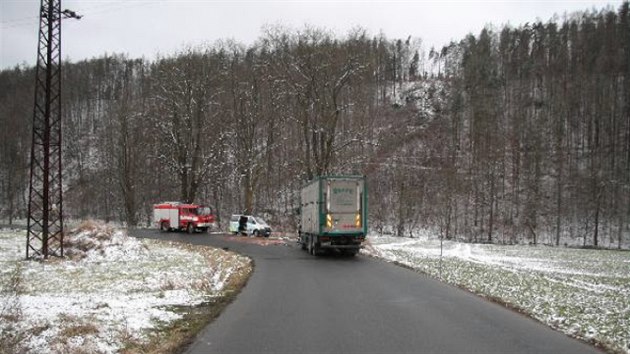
333,214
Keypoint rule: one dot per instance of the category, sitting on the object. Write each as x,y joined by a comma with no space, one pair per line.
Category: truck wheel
301,241
350,252
164,226
310,245
313,246
190,228
307,245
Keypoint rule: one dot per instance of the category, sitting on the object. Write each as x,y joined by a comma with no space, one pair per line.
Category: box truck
333,214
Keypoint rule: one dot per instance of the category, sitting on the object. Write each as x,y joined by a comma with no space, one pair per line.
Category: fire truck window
203,211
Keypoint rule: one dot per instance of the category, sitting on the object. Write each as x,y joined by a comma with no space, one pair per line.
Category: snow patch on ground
582,292
110,290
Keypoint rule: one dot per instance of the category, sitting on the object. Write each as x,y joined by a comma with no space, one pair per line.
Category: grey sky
146,28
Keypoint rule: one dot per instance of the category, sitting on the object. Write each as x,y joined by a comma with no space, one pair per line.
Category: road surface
297,303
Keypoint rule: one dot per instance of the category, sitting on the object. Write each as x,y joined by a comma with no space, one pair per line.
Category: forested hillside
512,135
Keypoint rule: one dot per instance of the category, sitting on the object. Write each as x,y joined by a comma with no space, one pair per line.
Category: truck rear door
343,206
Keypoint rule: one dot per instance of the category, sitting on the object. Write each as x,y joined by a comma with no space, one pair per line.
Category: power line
26,21
30,18
89,11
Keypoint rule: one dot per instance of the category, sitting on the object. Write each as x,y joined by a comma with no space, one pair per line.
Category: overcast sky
147,28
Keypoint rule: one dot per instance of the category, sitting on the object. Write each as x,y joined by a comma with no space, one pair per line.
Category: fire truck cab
170,216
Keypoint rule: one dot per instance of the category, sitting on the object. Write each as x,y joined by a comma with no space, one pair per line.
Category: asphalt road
297,303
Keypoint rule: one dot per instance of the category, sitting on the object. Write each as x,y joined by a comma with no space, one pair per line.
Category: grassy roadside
175,337
113,293
582,293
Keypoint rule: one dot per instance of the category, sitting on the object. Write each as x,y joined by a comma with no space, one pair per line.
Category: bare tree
186,91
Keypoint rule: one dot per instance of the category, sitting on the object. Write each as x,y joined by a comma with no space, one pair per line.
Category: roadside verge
582,293
112,293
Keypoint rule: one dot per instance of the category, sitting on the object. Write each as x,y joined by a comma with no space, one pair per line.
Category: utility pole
45,199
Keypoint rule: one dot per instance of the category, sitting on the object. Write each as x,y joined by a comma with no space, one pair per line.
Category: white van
254,225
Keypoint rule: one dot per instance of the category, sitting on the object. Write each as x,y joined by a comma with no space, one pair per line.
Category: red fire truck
180,216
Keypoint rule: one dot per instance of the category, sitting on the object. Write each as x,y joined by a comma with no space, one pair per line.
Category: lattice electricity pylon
45,201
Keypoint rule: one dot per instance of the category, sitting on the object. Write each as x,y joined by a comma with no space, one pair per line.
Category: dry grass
76,327
76,335
176,336
13,339
78,331
90,235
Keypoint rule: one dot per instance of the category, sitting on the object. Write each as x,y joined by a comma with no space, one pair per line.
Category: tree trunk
559,205
492,201
597,212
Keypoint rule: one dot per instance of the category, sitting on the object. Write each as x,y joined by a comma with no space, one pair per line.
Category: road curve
297,303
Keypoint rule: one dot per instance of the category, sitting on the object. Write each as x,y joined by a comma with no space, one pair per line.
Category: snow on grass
582,292
110,290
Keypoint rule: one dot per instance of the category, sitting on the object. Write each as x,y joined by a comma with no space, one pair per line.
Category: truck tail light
329,222
357,220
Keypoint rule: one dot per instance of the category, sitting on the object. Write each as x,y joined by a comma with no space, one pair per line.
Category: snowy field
584,293
111,291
